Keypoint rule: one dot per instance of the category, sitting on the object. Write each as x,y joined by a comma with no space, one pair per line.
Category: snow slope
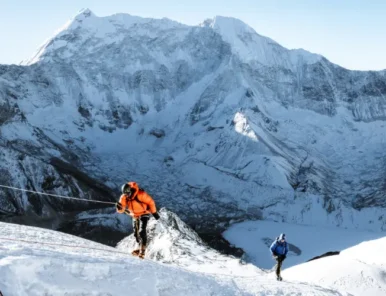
61,264
360,270
44,269
306,242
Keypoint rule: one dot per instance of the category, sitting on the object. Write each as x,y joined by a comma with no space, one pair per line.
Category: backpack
144,206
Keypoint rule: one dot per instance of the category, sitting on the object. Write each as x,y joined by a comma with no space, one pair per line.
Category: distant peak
84,13
207,23
227,23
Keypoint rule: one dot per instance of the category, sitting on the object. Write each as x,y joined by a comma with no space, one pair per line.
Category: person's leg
277,266
143,234
279,263
135,252
136,229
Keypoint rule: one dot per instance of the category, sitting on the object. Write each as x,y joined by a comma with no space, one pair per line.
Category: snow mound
172,241
360,270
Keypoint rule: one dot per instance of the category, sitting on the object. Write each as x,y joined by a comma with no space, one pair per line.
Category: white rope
59,196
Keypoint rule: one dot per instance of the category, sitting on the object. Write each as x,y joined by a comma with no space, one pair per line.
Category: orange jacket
139,204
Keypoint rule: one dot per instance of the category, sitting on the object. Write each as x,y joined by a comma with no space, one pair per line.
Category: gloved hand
156,216
118,206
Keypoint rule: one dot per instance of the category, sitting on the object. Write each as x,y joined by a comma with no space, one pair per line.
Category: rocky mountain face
216,122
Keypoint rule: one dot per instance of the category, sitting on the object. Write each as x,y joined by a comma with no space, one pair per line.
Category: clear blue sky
351,33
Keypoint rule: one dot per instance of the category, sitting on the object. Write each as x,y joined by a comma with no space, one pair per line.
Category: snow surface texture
55,267
359,269
215,121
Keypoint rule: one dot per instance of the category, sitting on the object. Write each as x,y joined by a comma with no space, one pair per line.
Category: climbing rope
97,249
61,245
58,196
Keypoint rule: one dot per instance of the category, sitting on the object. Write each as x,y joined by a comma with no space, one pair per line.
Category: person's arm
147,199
121,205
286,248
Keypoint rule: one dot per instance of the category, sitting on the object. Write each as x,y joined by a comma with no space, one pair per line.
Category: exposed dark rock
332,253
216,241
158,133
84,112
212,128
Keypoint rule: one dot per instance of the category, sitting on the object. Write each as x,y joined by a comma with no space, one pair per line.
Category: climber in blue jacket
279,250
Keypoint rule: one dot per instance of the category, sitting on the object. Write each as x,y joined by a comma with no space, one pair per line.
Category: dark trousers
279,261
139,227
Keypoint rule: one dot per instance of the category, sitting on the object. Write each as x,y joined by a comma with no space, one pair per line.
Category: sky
350,33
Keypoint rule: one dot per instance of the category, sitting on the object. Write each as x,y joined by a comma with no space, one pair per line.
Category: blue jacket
279,248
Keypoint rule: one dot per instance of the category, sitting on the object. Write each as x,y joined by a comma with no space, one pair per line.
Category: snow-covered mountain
218,123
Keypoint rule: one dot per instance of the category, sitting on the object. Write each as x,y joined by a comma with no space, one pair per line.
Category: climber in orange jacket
139,205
